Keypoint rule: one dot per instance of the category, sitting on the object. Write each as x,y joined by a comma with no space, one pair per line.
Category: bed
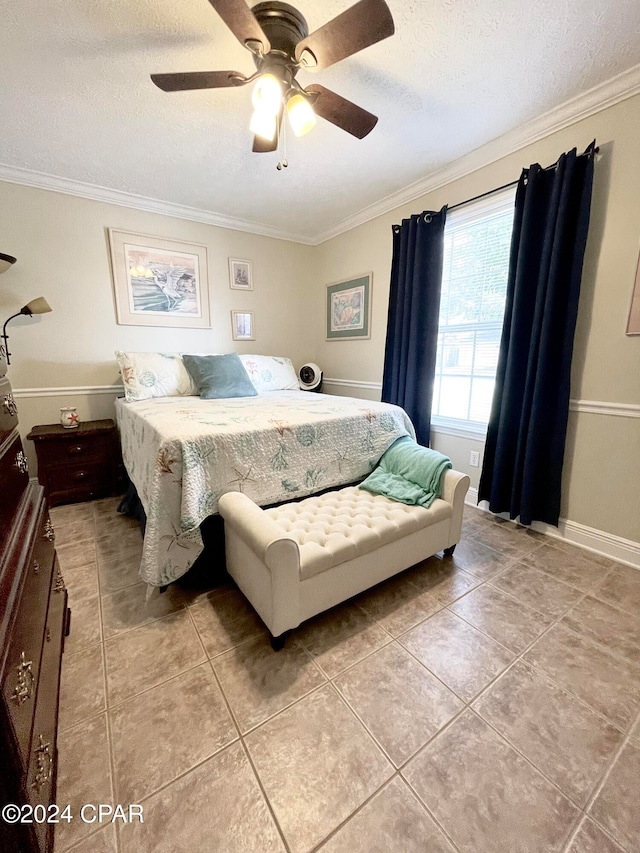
183,452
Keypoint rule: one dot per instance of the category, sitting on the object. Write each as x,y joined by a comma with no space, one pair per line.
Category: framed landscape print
242,327
349,309
159,282
633,326
240,274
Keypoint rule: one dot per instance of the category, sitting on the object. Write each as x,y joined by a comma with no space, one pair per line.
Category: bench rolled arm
257,530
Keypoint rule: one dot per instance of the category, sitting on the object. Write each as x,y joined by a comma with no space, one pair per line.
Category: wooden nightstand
77,464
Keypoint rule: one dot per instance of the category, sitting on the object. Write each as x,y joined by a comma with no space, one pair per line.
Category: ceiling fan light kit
278,37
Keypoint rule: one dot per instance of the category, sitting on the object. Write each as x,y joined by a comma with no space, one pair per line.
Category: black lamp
36,306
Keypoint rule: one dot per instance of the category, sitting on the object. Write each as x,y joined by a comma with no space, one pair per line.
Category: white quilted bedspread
183,453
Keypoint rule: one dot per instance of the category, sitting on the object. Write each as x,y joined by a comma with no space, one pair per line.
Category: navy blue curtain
412,324
524,450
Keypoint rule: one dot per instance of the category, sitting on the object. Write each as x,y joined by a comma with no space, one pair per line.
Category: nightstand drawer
84,475
77,453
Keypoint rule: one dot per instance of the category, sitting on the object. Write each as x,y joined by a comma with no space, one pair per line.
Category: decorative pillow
154,374
219,376
269,373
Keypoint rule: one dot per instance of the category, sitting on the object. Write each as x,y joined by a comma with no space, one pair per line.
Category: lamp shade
37,306
301,115
6,261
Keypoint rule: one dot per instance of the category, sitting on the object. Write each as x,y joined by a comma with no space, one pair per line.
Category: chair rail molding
85,390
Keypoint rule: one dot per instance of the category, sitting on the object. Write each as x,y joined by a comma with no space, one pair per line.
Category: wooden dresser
34,620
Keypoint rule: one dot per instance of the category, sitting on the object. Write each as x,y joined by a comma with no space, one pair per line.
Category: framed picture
349,309
633,326
240,277
242,327
159,282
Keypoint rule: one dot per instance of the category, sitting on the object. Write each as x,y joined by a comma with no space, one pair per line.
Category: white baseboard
598,541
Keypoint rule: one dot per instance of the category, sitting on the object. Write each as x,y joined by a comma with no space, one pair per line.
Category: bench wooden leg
448,552
277,643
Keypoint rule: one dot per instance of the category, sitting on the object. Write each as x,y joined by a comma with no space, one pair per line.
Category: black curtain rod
591,150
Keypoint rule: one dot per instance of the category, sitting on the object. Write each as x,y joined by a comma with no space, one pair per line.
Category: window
477,240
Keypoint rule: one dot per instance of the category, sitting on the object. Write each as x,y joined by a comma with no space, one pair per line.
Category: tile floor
484,703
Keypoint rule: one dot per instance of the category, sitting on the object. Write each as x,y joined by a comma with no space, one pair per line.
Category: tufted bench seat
297,559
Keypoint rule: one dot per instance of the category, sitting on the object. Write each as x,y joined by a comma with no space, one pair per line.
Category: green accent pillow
219,376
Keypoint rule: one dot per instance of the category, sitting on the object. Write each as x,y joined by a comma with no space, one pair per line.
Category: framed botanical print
159,282
349,309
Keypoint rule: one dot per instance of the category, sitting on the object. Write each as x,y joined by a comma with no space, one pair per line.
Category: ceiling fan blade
364,24
242,23
341,112
181,81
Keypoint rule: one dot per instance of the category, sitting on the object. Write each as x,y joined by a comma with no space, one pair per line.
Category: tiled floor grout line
112,761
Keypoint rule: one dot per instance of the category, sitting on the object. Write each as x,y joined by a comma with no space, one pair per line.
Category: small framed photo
159,282
242,326
349,309
240,275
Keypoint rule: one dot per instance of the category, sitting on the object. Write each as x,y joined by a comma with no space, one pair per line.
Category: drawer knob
49,532
77,449
80,475
24,686
48,635
59,582
9,405
44,764
36,567
21,462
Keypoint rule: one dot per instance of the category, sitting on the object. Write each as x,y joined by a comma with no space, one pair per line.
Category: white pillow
154,374
270,373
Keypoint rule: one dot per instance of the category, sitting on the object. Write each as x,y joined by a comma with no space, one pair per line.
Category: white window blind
477,241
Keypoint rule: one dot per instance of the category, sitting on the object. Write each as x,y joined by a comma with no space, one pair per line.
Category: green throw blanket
408,473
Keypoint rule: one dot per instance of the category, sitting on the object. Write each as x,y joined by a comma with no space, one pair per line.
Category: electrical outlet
474,459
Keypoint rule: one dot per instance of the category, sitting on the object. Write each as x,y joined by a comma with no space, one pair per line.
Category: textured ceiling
78,103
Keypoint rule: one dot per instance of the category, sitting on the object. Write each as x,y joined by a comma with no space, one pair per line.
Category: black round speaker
310,377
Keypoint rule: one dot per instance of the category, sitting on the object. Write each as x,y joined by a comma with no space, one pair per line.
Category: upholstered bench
298,559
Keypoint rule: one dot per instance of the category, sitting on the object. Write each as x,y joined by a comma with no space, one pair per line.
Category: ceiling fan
278,37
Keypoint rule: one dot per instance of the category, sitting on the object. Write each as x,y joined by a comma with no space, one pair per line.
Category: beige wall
602,450
62,250
61,245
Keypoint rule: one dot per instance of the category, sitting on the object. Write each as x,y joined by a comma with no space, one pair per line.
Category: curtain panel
524,451
412,323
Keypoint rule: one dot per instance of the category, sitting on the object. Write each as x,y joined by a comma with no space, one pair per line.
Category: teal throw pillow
219,376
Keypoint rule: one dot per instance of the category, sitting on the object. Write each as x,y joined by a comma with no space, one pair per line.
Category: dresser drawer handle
49,532
44,764
21,462
79,448
9,404
36,567
59,582
48,635
80,475
24,687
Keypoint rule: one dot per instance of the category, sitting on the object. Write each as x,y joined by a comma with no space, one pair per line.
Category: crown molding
607,94
69,186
